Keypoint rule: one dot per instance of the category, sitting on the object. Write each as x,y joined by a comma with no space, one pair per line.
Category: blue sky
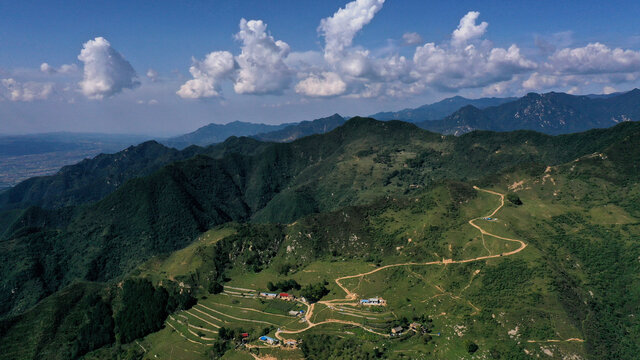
370,56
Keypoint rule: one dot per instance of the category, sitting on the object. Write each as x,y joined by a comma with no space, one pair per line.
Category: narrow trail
523,245
556,340
351,296
143,349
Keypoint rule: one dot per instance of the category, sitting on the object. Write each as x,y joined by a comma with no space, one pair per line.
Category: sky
163,68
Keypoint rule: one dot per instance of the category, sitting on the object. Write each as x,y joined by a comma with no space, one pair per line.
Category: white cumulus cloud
262,69
411,38
470,67
46,68
468,30
26,92
325,84
207,75
468,60
106,72
595,58
259,69
64,69
340,29
152,75
539,81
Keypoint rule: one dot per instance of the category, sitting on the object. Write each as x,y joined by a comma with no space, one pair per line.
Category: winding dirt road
351,296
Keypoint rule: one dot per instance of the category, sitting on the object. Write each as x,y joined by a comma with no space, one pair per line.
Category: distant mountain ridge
550,113
217,133
302,129
286,132
439,109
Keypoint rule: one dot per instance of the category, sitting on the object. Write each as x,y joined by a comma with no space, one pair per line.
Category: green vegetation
170,259
333,348
284,285
315,292
514,199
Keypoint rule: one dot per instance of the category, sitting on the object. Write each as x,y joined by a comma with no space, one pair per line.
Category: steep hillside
92,179
439,109
26,156
551,113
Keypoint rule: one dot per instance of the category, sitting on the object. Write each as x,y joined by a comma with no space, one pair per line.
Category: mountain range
550,113
216,133
440,109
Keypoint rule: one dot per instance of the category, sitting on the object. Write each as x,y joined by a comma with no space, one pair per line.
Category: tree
514,199
215,287
314,292
143,310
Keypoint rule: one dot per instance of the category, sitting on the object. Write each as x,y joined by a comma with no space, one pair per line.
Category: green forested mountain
365,195
551,113
92,179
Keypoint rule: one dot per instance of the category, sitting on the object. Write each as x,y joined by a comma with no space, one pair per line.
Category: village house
291,343
268,340
397,330
268,295
373,302
285,296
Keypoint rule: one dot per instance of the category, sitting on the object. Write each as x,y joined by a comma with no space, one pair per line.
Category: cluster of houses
269,340
291,343
373,302
414,326
281,296
398,330
296,312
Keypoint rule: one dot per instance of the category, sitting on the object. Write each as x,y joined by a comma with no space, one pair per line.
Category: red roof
284,295
244,335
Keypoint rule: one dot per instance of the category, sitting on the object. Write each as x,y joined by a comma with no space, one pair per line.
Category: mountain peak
532,95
